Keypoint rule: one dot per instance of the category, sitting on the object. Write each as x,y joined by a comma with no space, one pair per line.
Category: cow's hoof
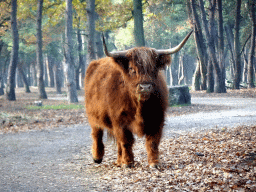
155,166
97,161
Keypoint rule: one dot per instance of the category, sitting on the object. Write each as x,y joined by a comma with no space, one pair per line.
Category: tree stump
179,95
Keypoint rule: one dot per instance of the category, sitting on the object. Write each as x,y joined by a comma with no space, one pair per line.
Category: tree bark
237,78
46,71
245,68
196,77
138,23
252,48
50,65
211,44
80,58
39,52
35,79
181,69
71,84
10,88
230,40
99,45
19,82
201,49
58,75
91,28
1,72
24,78
221,47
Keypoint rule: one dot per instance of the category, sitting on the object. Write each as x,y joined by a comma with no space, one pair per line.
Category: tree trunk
24,78
46,71
1,72
58,75
19,82
99,45
50,65
237,78
230,40
221,48
39,52
10,88
80,58
1,84
211,44
252,48
71,84
83,71
201,49
210,78
171,75
138,23
34,75
245,68
196,77
181,78
77,73
91,29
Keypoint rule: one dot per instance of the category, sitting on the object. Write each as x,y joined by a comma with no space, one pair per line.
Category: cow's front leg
119,154
125,141
152,144
97,146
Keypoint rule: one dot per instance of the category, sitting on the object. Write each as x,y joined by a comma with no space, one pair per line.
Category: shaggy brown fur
115,100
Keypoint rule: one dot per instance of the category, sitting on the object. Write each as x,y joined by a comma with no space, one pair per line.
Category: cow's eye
132,71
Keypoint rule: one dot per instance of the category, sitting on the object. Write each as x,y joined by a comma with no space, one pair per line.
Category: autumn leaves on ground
217,160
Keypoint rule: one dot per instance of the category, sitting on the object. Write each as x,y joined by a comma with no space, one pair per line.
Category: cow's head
141,65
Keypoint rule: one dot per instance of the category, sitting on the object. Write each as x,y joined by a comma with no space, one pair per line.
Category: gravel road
57,160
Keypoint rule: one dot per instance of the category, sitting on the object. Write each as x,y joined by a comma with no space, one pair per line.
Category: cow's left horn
174,49
112,54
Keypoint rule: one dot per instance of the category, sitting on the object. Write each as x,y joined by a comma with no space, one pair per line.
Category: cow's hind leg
152,143
97,146
125,141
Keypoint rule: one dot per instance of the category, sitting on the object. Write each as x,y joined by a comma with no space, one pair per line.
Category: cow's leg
119,153
97,146
152,143
125,141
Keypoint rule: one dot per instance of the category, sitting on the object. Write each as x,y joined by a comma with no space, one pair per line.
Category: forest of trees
50,43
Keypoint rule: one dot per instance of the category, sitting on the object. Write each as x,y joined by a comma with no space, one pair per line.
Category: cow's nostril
145,87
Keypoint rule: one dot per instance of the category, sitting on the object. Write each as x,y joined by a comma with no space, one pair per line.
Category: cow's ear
163,61
122,61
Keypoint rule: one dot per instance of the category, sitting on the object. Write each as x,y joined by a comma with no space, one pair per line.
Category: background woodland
50,43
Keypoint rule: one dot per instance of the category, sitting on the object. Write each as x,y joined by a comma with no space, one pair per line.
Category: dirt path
45,160
242,111
59,159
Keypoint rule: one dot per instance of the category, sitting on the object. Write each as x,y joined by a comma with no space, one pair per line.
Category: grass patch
56,107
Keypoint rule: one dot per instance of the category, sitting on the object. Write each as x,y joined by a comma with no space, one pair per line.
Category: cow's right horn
114,53
174,49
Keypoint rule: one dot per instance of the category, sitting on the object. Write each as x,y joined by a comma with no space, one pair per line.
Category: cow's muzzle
144,88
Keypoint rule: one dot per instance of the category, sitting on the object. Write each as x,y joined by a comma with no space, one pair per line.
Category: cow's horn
174,49
112,54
